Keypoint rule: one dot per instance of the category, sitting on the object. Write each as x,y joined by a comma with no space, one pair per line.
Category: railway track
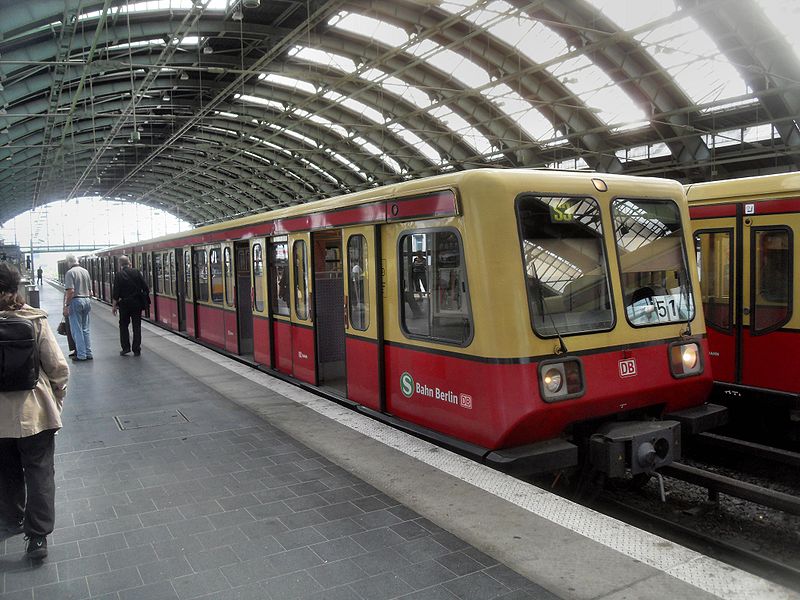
687,535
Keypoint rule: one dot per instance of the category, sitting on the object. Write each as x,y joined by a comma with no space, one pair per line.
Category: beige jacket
28,412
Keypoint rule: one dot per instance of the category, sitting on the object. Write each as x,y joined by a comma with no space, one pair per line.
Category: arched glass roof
213,109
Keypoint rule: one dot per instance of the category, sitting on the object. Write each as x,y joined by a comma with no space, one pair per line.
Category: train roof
747,188
411,188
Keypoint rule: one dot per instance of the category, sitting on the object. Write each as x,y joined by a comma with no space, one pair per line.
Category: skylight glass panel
356,106
461,126
520,110
692,58
785,16
370,28
338,129
412,139
298,136
398,87
759,133
226,114
449,61
326,59
347,163
377,152
320,170
260,101
289,82
158,5
632,15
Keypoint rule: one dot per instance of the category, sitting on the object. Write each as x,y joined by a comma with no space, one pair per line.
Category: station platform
185,474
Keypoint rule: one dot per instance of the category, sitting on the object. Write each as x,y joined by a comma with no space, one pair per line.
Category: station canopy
211,109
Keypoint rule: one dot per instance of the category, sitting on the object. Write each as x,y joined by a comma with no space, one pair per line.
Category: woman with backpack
33,383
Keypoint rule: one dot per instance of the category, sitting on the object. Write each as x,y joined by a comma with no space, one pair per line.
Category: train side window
279,278
566,271
159,287
714,253
770,278
167,275
433,284
228,266
258,277
357,296
215,266
300,280
201,275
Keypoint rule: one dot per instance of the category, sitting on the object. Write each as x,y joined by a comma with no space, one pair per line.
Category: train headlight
685,359
553,380
560,379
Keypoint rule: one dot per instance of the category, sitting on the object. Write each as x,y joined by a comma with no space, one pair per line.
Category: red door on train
746,258
304,360
769,358
262,322
362,279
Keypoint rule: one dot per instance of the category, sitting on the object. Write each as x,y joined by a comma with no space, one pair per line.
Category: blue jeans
79,310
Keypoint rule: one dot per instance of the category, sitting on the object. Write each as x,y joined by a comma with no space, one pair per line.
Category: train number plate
627,367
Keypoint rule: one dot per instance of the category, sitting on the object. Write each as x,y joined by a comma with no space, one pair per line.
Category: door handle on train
346,321
745,311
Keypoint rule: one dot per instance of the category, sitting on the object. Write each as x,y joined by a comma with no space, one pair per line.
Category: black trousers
27,481
127,317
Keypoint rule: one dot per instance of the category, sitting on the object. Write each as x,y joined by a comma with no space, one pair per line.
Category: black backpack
19,354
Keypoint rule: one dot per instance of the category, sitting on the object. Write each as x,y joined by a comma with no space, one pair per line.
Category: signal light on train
560,379
685,359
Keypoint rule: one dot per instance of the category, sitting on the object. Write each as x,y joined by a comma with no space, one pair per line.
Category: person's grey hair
124,261
71,260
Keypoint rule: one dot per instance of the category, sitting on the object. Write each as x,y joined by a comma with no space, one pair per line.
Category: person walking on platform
130,295
33,383
39,275
77,289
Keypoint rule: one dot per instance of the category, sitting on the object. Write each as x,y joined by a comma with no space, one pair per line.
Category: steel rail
750,449
733,487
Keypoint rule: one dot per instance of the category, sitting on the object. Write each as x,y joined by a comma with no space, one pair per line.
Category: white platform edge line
689,566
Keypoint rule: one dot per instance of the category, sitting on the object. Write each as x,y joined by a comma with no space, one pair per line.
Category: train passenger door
229,318
715,242
262,321
279,283
180,291
244,302
768,359
303,352
329,319
362,327
188,291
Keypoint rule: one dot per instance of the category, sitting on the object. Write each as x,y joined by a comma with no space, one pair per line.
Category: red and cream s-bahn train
745,235
534,320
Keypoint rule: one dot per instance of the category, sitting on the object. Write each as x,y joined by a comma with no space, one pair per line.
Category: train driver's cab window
201,275
714,253
566,272
300,280
215,266
357,291
279,278
652,257
771,278
258,277
434,293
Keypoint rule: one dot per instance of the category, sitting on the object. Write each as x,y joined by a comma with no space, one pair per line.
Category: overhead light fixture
184,76
251,3
1,86
208,49
237,14
165,98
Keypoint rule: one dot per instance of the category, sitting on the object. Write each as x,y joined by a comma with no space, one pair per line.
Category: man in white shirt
77,305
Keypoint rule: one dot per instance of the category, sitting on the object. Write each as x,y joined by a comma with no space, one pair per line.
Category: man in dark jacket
130,295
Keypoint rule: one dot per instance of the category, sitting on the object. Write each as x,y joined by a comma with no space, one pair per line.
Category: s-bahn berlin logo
408,387
407,384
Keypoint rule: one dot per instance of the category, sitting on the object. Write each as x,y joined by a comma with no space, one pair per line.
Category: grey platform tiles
168,490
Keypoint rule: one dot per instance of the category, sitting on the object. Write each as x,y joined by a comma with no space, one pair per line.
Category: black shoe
73,353
124,352
37,546
90,358
137,352
77,358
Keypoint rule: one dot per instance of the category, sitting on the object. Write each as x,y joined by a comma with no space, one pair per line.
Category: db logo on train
627,367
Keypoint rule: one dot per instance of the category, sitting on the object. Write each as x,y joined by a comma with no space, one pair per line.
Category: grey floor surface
168,490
